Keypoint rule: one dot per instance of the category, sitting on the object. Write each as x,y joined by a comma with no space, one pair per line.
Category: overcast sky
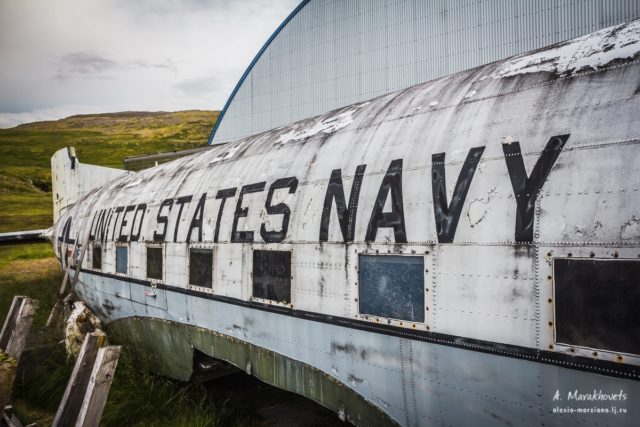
65,57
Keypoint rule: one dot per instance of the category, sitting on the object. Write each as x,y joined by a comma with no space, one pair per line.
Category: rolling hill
101,139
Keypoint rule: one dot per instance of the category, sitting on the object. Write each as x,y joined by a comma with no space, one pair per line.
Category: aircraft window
154,262
272,275
96,257
122,259
200,267
596,303
392,286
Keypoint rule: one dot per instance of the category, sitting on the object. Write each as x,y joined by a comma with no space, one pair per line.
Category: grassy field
137,398
100,139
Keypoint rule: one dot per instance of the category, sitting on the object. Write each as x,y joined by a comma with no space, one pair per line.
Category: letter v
526,188
448,214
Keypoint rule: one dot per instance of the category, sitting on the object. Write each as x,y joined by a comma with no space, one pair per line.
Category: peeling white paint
326,125
630,229
227,154
592,51
478,208
588,232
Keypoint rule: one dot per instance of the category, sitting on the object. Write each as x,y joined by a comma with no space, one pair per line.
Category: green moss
5,358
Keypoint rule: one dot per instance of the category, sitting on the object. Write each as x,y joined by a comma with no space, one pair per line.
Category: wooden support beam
12,341
99,385
16,326
72,398
10,321
10,419
74,280
57,308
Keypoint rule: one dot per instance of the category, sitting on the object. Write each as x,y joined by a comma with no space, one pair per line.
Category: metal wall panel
335,53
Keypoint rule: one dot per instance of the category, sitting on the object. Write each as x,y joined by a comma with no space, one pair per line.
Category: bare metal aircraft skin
465,251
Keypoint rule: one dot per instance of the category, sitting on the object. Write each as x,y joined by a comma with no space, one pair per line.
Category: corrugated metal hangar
331,53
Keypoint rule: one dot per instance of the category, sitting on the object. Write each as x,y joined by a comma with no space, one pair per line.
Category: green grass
29,270
136,398
100,139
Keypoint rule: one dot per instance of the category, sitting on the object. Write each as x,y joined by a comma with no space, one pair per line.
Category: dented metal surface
485,177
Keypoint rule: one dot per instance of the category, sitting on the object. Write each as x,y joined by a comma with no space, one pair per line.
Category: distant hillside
101,139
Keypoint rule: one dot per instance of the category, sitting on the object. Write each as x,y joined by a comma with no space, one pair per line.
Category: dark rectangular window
200,267
96,257
597,303
154,263
122,259
392,286
272,275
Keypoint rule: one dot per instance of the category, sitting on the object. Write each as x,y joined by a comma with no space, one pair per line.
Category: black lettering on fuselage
196,221
102,215
346,214
180,201
106,232
134,237
163,220
65,235
92,235
391,183
242,212
525,188
447,214
115,223
122,237
102,233
223,195
280,209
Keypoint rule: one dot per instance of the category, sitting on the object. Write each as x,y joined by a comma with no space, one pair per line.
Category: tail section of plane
71,180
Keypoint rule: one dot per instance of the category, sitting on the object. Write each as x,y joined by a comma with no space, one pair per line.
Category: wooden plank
72,398
10,419
74,280
10,321
57,308
8,370
99,386
17,337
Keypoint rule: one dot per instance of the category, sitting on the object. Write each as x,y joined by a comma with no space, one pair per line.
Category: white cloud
155,55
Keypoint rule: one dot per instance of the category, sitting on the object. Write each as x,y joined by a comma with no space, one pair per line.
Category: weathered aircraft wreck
462,251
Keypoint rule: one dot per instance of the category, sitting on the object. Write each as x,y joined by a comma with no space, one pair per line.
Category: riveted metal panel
597,303
487,291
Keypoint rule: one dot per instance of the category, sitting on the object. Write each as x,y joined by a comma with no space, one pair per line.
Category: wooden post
72,398
10,321
78,266
10,419
12,341
16,326
99,385
57,308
